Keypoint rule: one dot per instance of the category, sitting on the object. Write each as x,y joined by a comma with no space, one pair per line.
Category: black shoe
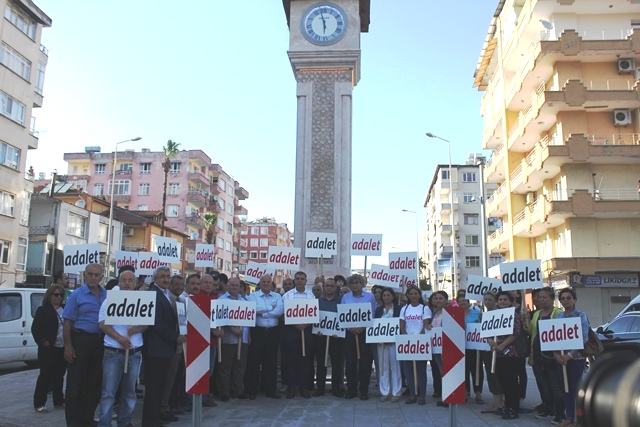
337,393
350,395
291,394
167,417
543,415
441,403
243,396
500,411
273,396
436,395
305,394
557,420
541,408
364,396
510,415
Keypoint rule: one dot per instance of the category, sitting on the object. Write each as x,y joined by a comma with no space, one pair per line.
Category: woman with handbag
47,333
573,360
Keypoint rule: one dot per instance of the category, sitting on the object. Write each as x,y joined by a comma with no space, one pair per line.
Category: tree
170,151
210,219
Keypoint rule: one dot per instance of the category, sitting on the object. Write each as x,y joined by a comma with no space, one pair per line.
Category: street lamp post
417,245
113,182
454,267
483,218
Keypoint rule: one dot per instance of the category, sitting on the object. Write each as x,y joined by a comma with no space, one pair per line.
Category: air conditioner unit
621,117
128,231
215,198
626,65
194,235
531,197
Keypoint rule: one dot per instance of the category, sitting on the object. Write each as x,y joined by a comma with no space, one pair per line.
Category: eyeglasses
57,295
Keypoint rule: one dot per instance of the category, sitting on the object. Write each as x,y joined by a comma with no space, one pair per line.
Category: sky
214,75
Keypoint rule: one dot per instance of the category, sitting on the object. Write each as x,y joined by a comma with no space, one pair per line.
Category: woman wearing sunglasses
47,333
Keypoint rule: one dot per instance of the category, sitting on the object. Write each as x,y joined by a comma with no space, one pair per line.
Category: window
264,242
495,260
143,189
175,167
471,240
255,230
100,169
11,307
230,190
26,207
469,197
264,230
102,232
143,207
254,242
5,246
221,204
243,254
227,246
221,223
229,208
7,203
15,62
444,173
471,219
126,166
229,228
173,188
222,185
172,211
120,187
21,21
472,261
468,177
243,231
76,225
220,243
263,254
253,255
620,325
145,167
219,263
98,189
243,242
11,108
40,78
9,156
227,266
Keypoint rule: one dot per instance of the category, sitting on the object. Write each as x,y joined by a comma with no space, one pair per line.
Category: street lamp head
137,138
430,135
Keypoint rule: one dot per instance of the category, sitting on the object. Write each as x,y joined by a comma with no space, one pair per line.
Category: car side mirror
600,330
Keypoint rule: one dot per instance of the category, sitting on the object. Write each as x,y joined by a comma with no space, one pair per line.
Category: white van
17,308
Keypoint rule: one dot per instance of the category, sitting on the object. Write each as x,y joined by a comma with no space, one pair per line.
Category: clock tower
324,50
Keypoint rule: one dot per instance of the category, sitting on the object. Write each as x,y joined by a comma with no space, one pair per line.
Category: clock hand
324,24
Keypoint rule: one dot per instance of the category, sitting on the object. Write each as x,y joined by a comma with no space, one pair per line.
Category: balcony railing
44,50
613,139
605,194
617,84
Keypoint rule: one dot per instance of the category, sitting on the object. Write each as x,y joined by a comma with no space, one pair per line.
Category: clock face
324,24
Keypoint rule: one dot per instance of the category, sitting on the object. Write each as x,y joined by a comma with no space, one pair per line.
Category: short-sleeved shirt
414,317
82,309
229,337
329,305
349,298
136,339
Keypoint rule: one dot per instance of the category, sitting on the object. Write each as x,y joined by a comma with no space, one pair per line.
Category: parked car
622,334
17,308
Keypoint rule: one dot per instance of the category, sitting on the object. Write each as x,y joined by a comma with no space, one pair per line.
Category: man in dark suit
160,342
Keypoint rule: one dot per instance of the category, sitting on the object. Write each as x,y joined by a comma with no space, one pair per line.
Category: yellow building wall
591,237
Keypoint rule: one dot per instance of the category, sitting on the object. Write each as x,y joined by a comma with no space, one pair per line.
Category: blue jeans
575,370
113,376
421,373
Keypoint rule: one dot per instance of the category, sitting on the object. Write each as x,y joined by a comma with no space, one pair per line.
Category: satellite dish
81,204
548,25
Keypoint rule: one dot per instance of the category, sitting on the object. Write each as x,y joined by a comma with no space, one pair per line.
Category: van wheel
31,363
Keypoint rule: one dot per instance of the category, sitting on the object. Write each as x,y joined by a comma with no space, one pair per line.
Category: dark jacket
45,325
160,340
379,311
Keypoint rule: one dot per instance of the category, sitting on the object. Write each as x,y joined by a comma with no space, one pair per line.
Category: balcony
121,198
591,265
199,198
240,192
236,239
195,220
239,210
496,205
606,203
445,251
135,248
41,230
198,179
236,221
445,229
499,240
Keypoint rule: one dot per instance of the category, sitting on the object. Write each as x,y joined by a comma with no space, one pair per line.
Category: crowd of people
105,364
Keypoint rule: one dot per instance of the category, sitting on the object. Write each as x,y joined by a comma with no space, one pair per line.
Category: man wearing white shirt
262,367
118,340
191,287
297,365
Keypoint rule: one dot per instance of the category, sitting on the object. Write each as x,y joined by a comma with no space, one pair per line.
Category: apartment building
457,217
561,114
262,233
195,186
24,61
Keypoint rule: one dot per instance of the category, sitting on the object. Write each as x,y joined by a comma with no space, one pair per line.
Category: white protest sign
148,262
413,347
283,257
405,263
228,312
383,330
77,257
182,317
496,323
130,308
127,258
560,334
167,248
320,245
328,325
256,270
301,311
205,255
436,340
474,340
525,274
477,286
357,315
366,244
381,275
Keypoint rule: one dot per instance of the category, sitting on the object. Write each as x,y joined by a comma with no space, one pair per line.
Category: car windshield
621,324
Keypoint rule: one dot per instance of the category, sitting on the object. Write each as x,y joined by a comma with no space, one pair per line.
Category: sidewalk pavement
17,410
